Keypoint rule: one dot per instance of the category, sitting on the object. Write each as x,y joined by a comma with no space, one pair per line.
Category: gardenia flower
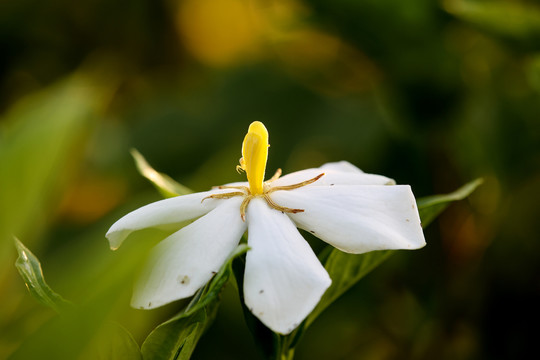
338,203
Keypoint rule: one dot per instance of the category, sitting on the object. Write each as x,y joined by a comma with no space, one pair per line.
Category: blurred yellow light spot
222,33
218,32
91,198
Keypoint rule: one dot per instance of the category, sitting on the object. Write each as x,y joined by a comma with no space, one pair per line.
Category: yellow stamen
243,188
275,177
224,196
295,186
253,162
254,156
244,205
279,207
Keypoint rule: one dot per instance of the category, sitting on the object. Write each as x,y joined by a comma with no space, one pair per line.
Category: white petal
238,183
357,219
284,280
332,177
343,166
182,263
162,213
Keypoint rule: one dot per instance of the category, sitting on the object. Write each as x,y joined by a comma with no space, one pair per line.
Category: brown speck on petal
184,280
261,291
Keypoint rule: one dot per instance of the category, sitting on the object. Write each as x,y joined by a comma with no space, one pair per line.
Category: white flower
351,210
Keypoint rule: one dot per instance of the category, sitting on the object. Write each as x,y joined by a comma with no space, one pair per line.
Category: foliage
163,183
97,340
30,269
430,93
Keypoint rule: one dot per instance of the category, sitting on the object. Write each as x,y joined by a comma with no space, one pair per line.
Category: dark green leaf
90,334
177,337
42,139
30,269
431,206
163,183
345,270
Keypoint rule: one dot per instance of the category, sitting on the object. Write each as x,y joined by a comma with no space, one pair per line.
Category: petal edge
161,213
182,263
357,219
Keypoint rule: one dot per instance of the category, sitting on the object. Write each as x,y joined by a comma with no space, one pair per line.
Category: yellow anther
254,156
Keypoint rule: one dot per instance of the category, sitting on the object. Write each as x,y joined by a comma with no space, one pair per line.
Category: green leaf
177,337
508,18
430,207
163,183
345,269
43,137
112,342
30,269
90,334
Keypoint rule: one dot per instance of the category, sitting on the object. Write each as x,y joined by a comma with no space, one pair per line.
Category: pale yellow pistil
253,162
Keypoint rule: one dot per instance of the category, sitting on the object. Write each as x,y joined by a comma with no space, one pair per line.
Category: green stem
289,355
282,348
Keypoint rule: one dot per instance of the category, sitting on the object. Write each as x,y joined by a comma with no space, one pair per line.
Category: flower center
253,162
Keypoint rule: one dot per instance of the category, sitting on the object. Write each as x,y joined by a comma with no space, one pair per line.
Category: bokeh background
430,93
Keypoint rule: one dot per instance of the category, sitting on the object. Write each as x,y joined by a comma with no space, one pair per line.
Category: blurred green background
430,93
